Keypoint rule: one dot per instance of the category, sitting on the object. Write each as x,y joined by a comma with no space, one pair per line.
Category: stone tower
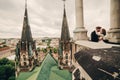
26,54
65,51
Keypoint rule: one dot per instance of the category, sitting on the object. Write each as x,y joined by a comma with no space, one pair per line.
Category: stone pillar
80,33
114,32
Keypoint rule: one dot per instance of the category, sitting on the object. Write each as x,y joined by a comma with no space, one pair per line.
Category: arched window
25,64
24,57
77,74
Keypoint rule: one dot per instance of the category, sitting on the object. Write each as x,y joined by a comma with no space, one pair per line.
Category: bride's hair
103,31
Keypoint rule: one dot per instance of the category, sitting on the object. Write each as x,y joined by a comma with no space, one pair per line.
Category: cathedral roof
100,64
48,70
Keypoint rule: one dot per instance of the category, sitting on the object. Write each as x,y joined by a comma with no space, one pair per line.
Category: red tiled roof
4,48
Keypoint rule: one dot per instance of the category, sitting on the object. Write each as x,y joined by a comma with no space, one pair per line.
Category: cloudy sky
45,16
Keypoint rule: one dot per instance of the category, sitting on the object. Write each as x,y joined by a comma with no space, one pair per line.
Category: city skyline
45,17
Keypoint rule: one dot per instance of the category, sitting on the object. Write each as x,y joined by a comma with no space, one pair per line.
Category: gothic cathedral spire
26,53
65,51
26,31
65,35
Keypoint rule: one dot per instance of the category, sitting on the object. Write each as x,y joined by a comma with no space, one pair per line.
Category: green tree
2,73
7,69
38,49
48,42
55,50
4,61
12,78
44,50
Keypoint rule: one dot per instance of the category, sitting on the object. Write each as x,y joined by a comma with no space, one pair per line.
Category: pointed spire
64,3
26,32
65,35
26,13
25,4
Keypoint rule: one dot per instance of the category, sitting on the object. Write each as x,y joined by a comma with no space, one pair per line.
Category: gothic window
66,56
30,63
24,57
77,74
25,64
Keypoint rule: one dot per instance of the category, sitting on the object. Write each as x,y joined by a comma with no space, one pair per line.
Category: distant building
5,51
54,42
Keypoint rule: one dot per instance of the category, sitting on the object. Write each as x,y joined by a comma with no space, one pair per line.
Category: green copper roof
46,66
57,74
47,71
29,75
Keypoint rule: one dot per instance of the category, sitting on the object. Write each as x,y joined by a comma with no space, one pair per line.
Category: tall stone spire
26,31
65,35
65,54
26,53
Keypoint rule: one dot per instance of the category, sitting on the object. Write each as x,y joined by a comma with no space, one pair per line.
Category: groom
94,34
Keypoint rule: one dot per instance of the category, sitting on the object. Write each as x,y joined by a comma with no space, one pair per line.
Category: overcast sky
45,16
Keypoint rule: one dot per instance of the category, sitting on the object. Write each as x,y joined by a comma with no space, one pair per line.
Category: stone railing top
95,45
